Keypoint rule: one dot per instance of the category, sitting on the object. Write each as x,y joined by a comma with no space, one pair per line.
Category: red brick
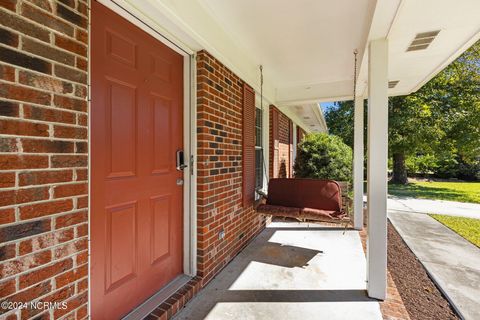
56,296
23,128
7,73
24,229
24,94
25,247
70,45
7,287
7,179
71,276
7,215
25,263
12,316
8,38
82,311
70,74
81,147
45,19
44,177
8,145
45,273
32,293
82,118
46,112
11,197
72,304
68,190
44,82
45,208
82,285
7,252
82,258
47,146
9,4
70,132
22,25
70,219
9,109
68,161
47,51
219,123
72,16
82,174
49,115
81,35
82,64
70,103
46,240
70,248
23,162
44,4
82,202
70,3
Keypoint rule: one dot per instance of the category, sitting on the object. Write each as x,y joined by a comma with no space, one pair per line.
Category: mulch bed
421,297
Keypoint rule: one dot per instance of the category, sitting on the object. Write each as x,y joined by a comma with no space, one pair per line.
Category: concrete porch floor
290,271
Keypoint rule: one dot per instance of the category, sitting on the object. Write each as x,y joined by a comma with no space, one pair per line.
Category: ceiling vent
422,40
392,84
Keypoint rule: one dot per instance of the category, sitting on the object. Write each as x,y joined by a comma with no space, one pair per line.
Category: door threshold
158,298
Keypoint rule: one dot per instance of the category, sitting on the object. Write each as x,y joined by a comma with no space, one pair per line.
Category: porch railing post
358,165
377,169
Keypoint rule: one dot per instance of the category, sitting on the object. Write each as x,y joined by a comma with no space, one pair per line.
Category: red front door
136,129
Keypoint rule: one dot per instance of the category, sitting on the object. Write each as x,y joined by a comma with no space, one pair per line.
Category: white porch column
377,169
358,165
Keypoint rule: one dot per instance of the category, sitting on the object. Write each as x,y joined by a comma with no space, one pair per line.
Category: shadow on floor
294,296
275,272
285,255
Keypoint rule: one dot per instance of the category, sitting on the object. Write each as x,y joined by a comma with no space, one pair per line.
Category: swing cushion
281,211
304,198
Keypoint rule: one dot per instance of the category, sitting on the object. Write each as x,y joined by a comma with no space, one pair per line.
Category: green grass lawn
468,228
453,191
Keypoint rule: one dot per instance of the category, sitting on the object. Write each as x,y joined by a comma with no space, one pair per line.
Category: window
258,149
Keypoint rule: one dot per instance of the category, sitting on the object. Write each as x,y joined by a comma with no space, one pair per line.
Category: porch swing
306,199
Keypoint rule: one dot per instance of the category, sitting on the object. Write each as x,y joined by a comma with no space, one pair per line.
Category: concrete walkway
301,272
451,208
452,261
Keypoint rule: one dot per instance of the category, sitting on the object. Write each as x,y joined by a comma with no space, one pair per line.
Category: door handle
181,160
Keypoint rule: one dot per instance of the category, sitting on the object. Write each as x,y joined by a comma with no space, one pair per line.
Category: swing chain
355,52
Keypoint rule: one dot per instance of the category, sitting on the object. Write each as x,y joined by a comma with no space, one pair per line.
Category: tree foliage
440,122
323,156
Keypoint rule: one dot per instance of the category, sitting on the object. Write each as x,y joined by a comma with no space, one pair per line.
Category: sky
326,105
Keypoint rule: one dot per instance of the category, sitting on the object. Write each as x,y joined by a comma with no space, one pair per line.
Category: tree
323,156
340,118
441,120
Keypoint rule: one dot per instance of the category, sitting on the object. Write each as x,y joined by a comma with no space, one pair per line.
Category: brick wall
43,159
219,103
283,134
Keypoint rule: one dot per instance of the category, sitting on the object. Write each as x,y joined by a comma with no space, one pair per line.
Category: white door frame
189,139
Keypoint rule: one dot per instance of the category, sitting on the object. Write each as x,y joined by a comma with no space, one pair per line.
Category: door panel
121,244
121,130
160,232
136,129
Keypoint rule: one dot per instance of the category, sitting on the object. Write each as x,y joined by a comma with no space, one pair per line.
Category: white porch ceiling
306,46
300,43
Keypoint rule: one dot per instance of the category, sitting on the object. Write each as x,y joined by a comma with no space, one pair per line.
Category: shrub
323,156
447,166
469,171
421,164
